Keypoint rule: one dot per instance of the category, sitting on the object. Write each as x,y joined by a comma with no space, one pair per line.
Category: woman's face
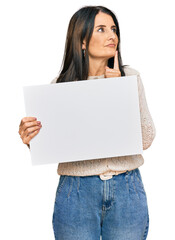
104,40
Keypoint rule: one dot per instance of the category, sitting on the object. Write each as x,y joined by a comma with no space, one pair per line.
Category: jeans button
105,177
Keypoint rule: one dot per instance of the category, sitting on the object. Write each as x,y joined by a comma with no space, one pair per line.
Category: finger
27,139
27,119
107,67
29,131
116,64
26,125
112,74
112,70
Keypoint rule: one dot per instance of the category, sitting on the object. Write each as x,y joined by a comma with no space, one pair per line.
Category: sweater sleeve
147,124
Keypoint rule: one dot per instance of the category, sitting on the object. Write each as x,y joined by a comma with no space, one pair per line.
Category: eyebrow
105,26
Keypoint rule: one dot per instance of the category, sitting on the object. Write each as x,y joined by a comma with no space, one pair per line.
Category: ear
84,44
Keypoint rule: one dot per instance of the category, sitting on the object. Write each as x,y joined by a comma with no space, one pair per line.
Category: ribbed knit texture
122,163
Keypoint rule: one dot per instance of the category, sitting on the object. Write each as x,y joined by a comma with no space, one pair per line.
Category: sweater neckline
96,77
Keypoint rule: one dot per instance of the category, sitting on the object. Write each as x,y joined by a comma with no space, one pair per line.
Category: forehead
103,19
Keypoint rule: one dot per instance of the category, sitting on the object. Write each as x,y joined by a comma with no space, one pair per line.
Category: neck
97,66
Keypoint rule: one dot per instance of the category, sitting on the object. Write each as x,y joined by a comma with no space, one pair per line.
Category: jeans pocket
61,183
139,180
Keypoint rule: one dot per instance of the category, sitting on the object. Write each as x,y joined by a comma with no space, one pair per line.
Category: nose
112,35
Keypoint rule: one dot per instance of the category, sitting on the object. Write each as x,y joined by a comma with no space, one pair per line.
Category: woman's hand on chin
113,72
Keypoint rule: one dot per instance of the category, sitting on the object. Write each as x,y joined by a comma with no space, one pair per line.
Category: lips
110,45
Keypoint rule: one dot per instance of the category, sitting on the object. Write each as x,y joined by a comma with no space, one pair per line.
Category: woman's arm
147,124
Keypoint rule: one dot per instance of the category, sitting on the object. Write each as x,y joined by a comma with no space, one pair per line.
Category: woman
102,196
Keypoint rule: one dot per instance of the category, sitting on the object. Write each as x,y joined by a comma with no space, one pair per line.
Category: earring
84,52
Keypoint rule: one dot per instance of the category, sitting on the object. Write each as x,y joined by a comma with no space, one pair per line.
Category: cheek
93,43
96,43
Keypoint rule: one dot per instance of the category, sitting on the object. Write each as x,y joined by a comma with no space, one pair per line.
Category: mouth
111,45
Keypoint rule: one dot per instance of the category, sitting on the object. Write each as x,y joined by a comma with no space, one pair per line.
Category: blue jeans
88,207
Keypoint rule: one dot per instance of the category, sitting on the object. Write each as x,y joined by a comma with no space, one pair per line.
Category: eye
101,29
114,29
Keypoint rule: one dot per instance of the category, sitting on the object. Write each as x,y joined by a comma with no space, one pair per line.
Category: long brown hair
75,65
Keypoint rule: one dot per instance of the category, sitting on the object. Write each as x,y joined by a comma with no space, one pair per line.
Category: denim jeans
88,207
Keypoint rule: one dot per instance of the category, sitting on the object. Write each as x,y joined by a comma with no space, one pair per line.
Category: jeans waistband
109,175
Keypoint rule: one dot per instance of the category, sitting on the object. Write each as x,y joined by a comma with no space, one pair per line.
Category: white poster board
84,120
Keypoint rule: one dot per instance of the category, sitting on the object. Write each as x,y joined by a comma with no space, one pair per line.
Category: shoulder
130,71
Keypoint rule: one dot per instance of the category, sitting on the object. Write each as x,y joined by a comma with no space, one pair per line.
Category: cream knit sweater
116,165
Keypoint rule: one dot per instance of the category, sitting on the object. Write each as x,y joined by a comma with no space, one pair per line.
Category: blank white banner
84,120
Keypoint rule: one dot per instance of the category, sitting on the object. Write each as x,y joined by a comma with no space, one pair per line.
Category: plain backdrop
31,49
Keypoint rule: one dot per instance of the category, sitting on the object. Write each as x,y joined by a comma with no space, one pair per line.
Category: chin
105,54
110,53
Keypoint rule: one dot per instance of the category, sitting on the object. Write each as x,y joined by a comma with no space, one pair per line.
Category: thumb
107,67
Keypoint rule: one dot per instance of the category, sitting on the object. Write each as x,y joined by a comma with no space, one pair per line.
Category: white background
31,49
